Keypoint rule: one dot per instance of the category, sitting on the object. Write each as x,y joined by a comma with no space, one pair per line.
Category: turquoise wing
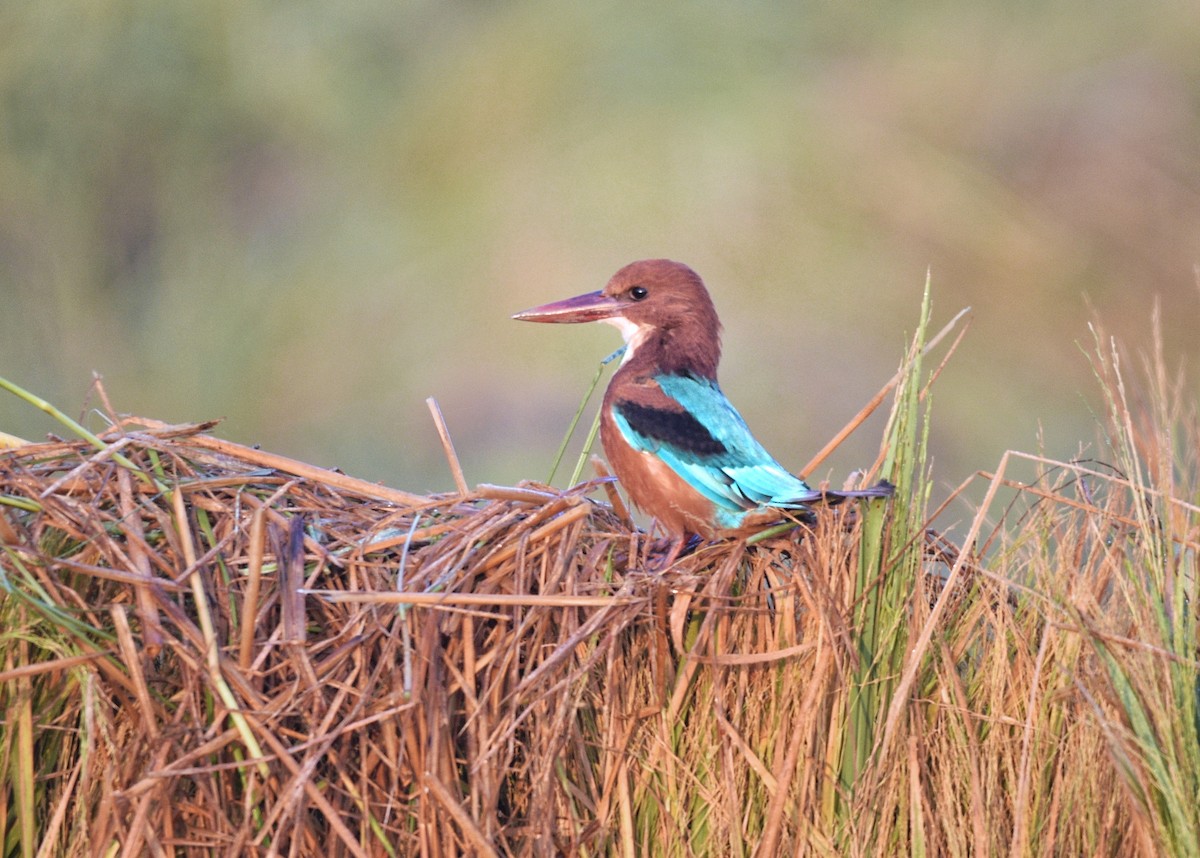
698,433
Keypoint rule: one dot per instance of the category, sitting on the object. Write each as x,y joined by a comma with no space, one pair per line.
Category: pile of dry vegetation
266,655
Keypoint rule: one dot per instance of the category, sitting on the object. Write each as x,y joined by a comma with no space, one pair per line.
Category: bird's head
662,310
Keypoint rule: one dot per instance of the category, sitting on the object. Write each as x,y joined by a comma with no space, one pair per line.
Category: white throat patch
634,334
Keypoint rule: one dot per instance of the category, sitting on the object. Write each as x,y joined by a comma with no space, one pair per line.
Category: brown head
661,308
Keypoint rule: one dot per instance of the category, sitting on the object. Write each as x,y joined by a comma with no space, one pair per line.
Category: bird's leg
678,544
672,555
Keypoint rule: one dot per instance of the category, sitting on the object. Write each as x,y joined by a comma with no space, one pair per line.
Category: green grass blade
587,397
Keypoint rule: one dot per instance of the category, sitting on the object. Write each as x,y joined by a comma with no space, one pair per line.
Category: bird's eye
638,293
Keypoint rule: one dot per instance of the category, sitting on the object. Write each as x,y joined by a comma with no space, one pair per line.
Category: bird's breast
654,487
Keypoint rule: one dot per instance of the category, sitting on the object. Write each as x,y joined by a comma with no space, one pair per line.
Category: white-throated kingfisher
677,445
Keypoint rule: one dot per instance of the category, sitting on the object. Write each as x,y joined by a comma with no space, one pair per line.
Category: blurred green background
307,217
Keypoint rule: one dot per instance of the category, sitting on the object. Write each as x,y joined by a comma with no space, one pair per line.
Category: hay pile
215,650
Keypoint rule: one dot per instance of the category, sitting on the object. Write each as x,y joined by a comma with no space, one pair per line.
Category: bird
680,449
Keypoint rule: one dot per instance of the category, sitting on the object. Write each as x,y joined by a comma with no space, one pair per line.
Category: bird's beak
592,307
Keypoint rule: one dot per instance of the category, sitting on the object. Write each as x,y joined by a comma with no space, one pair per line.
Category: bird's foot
677,546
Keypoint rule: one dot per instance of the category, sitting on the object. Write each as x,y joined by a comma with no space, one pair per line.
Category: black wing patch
677,428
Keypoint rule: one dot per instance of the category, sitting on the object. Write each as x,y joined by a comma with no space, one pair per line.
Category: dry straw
212,650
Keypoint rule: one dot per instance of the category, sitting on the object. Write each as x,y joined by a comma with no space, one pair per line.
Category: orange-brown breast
654,487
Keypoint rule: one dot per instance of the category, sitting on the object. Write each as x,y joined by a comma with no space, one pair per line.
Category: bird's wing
689,424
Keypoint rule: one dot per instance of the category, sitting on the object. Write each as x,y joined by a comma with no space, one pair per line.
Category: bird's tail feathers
882,489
